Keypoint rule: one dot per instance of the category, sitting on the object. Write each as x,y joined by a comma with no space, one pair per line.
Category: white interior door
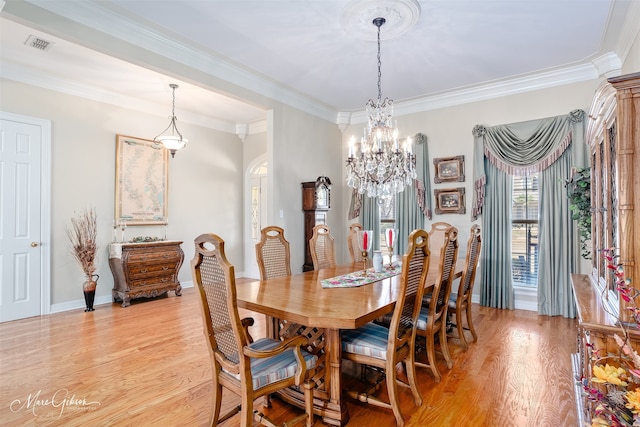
21,231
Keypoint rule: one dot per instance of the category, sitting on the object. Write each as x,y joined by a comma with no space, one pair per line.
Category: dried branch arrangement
82,234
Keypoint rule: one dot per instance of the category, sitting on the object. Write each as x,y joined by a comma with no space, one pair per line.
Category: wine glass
390,235
365,238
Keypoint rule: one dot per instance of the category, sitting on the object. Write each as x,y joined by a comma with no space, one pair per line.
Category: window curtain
370,219
523,149
558,241
414,203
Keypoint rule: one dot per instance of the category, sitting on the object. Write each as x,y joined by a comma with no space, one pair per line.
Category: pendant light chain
381,165
378,22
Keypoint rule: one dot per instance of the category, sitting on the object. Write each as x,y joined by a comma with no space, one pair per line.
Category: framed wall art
449,200
142,179
449,169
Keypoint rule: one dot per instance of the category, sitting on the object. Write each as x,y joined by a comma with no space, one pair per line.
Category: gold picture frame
449,200
449,169
142,181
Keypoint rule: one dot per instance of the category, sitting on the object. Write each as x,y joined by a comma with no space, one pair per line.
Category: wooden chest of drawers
145,269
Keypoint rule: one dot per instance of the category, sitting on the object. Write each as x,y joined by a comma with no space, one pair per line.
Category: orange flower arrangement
617,402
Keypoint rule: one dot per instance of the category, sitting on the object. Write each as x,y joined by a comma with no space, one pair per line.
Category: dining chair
432,319
272,253
352,242
436,240
461,302
248,368
322,247
384,347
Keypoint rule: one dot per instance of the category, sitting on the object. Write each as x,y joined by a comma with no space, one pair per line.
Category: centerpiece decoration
83,236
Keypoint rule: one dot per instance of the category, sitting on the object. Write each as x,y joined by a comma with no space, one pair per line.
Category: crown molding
491,90
105,21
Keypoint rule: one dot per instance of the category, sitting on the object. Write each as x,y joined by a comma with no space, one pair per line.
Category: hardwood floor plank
148,365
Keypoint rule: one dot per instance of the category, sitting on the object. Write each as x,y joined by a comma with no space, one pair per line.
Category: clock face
322,197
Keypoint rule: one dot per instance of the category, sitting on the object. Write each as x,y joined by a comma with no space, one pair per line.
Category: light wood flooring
148,365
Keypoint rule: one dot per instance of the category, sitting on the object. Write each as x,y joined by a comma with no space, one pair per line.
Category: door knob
34,244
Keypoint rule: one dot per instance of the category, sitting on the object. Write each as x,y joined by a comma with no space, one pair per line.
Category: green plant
579,194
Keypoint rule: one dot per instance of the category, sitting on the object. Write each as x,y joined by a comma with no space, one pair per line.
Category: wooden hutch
613,136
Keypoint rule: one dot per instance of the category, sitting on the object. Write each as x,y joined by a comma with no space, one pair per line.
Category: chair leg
246,415
444,345
470,322
392,390
308,401
410,368
431,356
217,402
460,328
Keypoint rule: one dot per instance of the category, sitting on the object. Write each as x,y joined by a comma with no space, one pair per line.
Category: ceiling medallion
400,16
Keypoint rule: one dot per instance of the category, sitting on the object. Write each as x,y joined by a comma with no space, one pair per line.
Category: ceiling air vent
38,43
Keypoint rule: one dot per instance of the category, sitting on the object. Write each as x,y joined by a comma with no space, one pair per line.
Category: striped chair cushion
422,319
271,369
452,300
368,340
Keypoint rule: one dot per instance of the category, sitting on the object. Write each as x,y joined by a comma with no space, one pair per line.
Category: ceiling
233,58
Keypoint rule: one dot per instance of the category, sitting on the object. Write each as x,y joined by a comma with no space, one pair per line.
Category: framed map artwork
141,181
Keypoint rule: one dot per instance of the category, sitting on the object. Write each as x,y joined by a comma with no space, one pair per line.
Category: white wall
303,148
205,179
632,61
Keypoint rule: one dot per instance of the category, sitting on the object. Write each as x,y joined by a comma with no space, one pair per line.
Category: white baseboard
525,299
101,300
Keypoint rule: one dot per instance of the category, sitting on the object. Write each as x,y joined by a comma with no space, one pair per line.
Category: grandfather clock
316,201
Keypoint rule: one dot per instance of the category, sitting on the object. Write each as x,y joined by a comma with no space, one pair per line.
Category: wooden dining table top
300,298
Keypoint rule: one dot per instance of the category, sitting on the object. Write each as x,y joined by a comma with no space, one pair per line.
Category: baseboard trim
100,300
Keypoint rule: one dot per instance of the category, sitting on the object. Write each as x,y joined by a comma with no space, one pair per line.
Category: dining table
300,304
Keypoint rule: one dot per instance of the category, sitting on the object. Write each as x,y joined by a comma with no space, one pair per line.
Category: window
524,230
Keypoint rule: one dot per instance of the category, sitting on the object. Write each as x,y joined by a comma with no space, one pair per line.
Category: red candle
364,241
390,235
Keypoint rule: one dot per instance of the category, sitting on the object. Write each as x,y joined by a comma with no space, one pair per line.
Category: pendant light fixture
173,141
381,165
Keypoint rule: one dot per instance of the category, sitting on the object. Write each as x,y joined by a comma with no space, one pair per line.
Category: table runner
355,279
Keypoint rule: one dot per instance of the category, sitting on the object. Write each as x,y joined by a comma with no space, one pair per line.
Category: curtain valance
524,148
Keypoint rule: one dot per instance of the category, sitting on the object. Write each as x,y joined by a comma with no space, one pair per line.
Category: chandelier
382,165
174,141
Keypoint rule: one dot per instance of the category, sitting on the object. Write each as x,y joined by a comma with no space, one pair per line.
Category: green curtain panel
370,219
496,289
559,243
414,203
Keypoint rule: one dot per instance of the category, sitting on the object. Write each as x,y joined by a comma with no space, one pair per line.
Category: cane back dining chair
436,240
461,302
352,243
384,347
272,253
432,320
322,246
248,369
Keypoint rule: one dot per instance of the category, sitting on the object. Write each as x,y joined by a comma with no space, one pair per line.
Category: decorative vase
377,261
89,289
